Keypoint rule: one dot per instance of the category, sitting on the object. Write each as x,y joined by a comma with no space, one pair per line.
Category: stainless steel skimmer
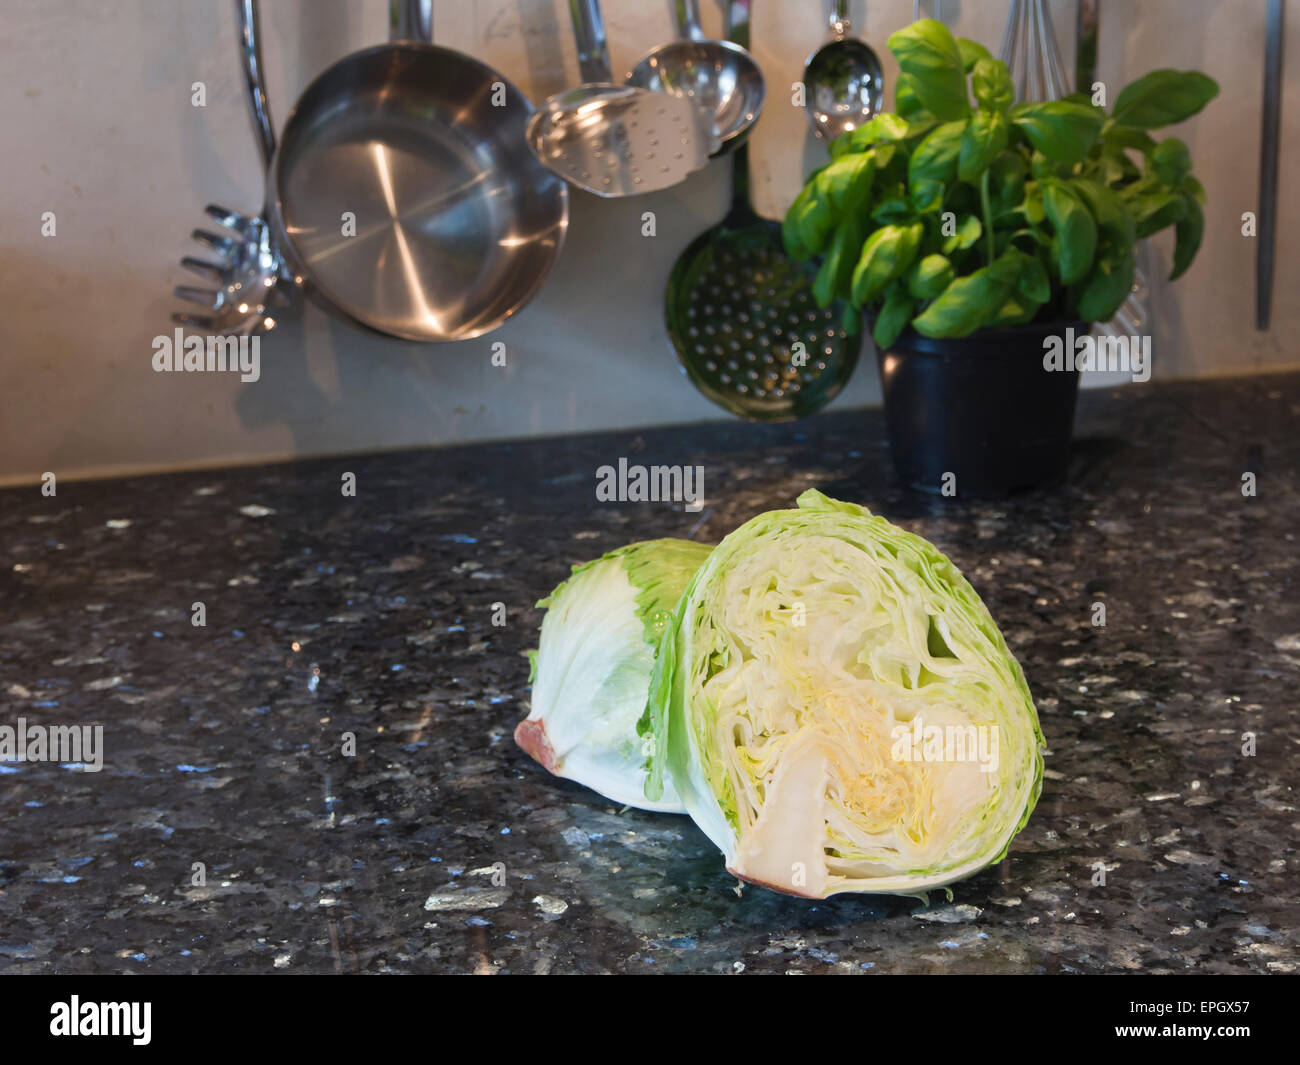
250,275
718,76
617,140
742,316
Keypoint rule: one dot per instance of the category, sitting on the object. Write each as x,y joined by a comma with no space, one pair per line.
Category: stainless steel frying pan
403,194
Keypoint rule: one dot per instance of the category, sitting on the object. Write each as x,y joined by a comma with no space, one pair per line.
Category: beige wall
98,127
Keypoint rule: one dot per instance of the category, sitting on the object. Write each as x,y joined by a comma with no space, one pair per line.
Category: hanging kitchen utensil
844,84
403,194
1266,248
719,77
617,140
1030,51
250,273
741,313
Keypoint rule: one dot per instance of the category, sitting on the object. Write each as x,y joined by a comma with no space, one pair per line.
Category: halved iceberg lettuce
591,671
838,711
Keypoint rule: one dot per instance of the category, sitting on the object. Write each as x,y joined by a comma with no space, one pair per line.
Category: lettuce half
812,660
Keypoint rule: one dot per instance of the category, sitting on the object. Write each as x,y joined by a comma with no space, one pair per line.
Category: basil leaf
965,305
1187,237
893,317
971,53
929,276
992,85
832,280
1164,97
982,141
1074,239
969,230
935,158
1017,310
1033,283
1107,206
1007,178
1032,207
1107,286
794,227
883,127
1154,211
927,195
1171,161
906,102
846,183
886,255
851,319
1127,137
1062,130
928,55
892,210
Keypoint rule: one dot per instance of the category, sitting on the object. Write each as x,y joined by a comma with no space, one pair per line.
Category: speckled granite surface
372,615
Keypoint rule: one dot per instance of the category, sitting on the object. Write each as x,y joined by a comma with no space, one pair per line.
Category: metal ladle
843,80
719,77
616,140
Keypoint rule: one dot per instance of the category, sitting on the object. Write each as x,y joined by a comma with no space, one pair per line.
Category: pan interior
408,195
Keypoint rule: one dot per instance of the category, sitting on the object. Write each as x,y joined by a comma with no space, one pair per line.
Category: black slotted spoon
741,313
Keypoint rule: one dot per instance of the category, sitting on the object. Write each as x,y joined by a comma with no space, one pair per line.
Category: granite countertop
372,615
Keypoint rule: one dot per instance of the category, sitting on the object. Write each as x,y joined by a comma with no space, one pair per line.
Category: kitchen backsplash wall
99,129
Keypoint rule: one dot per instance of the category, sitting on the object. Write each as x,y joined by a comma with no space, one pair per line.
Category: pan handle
410,20
250,56
589,33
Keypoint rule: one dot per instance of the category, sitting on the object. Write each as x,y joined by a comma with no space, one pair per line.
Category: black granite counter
440,846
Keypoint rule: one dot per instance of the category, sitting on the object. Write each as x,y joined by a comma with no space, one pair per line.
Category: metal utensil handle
1268,159
688,20
589,34
839,19
250,56
1085,51
738,33
410,20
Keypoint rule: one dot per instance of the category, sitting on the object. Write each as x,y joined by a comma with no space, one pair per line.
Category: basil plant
966,210
591,670
837,711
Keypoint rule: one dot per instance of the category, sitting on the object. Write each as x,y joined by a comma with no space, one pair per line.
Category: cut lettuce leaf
838,711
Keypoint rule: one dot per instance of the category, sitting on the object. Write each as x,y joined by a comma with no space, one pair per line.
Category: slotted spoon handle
589,34
742,210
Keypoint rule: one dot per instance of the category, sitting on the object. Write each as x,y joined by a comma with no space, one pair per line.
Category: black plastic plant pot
980,415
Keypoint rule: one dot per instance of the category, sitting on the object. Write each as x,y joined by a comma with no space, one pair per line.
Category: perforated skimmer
741,313
617,140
